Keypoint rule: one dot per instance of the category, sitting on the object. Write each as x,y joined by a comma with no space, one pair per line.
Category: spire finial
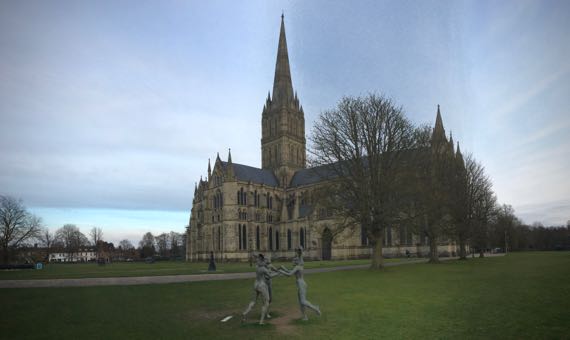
229,155
282,15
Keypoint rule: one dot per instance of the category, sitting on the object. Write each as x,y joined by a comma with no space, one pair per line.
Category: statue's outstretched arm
284,271
270,273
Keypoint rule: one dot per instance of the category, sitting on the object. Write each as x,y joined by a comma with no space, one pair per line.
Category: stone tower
283,144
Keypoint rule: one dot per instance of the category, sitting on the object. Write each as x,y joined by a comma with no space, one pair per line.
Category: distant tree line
165,245
23,239
508,232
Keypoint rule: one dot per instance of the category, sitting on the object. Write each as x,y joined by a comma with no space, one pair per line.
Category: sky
110,110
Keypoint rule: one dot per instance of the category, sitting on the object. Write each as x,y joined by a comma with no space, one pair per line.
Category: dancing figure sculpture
260,288
301,285
268,278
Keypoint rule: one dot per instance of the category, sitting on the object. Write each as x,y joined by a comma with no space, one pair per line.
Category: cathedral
239,210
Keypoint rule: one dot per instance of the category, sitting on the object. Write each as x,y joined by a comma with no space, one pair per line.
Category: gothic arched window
270,238
288,239
239,237
257,241
276,239
244,236
219,238
302,237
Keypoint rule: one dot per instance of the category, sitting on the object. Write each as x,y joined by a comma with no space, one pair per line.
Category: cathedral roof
413,157
313,175
254,175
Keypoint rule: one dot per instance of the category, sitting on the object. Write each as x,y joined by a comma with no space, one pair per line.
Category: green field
83,270
522,295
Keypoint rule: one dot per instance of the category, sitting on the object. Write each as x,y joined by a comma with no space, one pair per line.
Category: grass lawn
522,295
82,270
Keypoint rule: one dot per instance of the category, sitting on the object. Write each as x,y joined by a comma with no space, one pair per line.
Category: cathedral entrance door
326,244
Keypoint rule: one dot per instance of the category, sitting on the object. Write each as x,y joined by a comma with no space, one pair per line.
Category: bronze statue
260,288
301,285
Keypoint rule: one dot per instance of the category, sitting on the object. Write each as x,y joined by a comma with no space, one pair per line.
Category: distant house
82,255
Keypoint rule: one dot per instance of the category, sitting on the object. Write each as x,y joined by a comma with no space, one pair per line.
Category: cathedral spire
282,85
230,155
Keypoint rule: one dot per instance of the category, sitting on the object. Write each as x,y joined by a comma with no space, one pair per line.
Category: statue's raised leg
250,306
305,303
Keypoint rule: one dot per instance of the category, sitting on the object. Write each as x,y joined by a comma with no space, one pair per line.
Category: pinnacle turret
459,158
458,153
209,169
438,134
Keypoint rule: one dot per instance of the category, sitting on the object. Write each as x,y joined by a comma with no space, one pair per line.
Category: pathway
147,280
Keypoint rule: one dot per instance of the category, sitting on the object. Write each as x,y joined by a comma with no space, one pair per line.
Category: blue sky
109,110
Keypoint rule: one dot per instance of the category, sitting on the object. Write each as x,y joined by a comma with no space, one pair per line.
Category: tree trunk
377,258
481,253
462,251
433,254
5,254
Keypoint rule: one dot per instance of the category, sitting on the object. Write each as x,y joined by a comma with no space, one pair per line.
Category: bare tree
162,243
176,246
483,206
431,175
146,245
126,245
96,235
460,204
126,249
505,223
362,142
71,238
47,240
16,225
